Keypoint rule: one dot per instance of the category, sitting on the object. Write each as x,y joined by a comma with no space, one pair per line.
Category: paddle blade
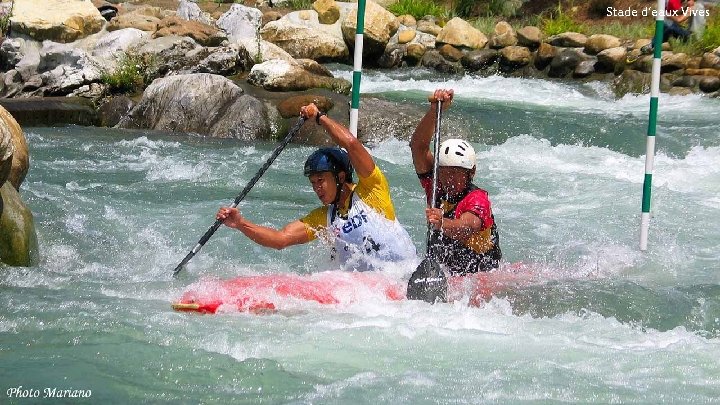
428,283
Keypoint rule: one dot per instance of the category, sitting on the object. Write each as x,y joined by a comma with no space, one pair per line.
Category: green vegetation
300,4
636,29
710,39
5,19
559,22
418,8
132,73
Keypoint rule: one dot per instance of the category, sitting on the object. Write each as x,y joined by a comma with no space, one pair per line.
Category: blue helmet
334,160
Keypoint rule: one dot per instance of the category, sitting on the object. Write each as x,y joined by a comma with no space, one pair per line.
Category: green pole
652,125
357,68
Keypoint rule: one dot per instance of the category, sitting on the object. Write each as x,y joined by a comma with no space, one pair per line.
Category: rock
479,60
406,35
52,111
671,62
9,127
55,20
136,20
307,38
327,10
7,148
513,57
710,60
568,40
600,42
188,10
240,22
172,53
564,63
270,15
263,51
703,72
544,55
380,25
631,82
18,240
461,34
414,53
107,10
432,59
679,91
684,81
450,53
207,104
279,75
643,64
114,109
585,68
429,27
109,46
407,20
503,36
290,107
529,37
225,60
203,34
314,67
393,56
709,84
611,60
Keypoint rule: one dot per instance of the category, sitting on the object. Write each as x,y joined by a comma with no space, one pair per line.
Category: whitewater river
116,210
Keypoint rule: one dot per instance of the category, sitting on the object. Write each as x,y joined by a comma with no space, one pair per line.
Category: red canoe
269,293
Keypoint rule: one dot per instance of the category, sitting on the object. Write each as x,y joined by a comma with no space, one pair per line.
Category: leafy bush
418,8
132,73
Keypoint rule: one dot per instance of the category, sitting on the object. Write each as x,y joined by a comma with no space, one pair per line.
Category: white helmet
456,152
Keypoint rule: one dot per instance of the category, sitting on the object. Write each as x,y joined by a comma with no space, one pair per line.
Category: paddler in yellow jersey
358,219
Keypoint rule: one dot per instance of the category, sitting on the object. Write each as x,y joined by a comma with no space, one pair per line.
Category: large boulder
280,75
56,20
380,25
190,11
513,57
600,42
203,103
568,40
7,148
18,240
460,33
9,128
303,36
612,60
145,19
240,22
503,36
529,36
327,10
263,51
203,34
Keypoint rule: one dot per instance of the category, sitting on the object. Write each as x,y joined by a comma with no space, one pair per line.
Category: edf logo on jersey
355,222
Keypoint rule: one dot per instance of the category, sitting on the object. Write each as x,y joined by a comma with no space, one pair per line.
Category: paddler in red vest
465,237
357,219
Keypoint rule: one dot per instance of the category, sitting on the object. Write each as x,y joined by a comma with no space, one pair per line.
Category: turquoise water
117,210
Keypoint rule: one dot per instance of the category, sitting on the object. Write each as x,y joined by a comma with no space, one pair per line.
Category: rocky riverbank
233,60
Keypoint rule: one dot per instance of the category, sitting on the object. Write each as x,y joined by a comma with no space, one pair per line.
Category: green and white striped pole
357,68
652,125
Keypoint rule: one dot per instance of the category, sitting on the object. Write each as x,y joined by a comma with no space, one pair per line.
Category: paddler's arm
359,156
292,234
420,141
458,228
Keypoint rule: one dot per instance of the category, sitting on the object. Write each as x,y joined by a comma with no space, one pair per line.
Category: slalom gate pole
357,68
652,125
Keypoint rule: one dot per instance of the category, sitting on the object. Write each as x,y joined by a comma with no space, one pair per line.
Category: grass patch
418,8
560,21
691,47
300,4
711,36
634,30
132,73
